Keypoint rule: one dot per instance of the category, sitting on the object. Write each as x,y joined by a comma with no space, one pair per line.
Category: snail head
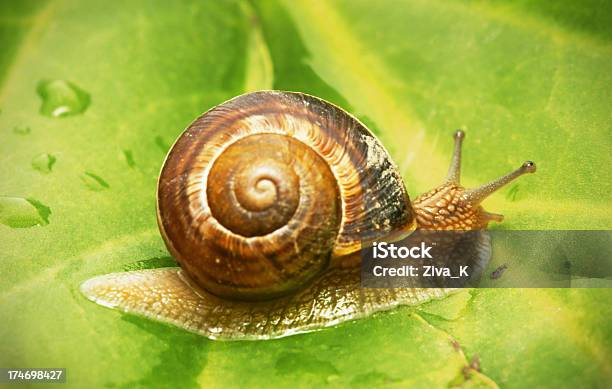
450,206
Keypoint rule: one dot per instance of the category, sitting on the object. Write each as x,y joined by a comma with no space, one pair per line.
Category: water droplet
22,130
18,212
62,98
94,182
129,158
163,146
44,162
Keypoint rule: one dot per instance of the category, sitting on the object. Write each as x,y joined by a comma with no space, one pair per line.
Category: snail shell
262,193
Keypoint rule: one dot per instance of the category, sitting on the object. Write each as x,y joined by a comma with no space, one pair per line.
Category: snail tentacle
454,171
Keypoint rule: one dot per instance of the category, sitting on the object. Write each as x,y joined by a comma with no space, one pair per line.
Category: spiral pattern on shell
262,193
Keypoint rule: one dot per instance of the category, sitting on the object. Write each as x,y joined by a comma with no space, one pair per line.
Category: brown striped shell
267,191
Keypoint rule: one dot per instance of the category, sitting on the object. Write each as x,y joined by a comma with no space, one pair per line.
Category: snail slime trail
266,202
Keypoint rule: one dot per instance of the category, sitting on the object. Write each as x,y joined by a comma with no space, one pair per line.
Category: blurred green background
93,93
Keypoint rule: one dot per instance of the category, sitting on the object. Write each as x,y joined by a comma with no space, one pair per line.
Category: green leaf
526,80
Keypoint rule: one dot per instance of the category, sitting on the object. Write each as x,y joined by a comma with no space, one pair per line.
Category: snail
265,202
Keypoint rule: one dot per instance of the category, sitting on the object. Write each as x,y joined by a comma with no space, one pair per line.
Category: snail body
265,201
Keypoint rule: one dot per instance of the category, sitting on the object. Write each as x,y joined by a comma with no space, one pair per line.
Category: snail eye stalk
477,195
454,171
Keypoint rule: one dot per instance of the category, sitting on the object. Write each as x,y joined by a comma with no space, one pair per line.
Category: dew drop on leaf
94,182
62,98
18,212
44,163
22,130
